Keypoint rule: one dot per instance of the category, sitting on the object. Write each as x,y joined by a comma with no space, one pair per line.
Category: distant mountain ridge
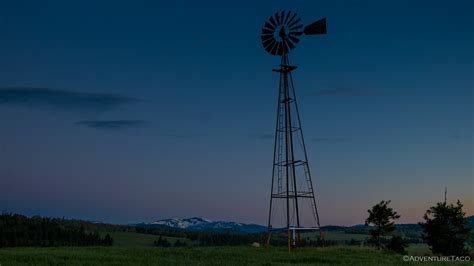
202,224
183,223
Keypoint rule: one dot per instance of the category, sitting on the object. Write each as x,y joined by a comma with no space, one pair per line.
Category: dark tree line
200,238
18,230
224,239
162,242
157,231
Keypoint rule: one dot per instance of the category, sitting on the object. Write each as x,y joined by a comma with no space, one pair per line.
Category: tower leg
285,165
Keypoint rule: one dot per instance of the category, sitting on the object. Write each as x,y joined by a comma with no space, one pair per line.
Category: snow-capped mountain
202,224
183,223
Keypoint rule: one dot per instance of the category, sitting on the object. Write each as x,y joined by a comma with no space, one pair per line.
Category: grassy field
419,250
138,249
200,256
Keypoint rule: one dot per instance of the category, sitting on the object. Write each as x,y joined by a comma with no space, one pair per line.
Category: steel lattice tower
292,184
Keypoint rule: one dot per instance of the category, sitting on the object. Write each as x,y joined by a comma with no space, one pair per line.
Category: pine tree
445,230
382,217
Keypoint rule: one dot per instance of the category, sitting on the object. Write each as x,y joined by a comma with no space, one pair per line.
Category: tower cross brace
285,176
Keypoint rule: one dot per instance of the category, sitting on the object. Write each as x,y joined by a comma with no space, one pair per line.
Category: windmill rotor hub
282,33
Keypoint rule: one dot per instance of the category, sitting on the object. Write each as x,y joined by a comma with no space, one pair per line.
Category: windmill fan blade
290,44
294,22
270,46
291,19
277,16
318,27
278,50
296,27
268,26
267,31
287,17
268,42
266,37
272,21
274,48
294,39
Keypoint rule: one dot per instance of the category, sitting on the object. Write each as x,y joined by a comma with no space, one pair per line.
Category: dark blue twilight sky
132,111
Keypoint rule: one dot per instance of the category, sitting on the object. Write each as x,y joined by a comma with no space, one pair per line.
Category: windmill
292,185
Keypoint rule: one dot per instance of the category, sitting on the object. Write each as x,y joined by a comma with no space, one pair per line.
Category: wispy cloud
201,116
112,124
341,91
466,137
321,139
181,136
324,139
318,139
266,136
62,99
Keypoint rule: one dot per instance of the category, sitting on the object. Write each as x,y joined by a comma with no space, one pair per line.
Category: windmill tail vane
293,206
